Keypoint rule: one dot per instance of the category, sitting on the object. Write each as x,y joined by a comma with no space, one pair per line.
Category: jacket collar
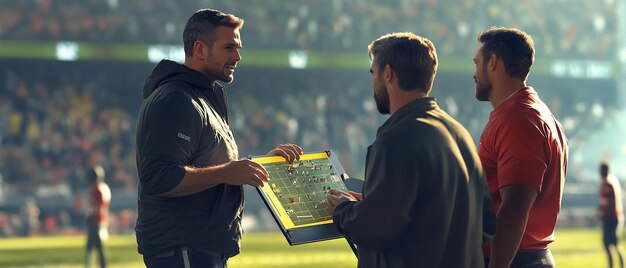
409,110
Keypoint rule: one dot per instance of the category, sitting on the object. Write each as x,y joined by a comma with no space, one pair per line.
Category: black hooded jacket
183,121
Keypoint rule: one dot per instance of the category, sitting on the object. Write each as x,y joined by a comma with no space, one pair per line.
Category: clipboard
296,195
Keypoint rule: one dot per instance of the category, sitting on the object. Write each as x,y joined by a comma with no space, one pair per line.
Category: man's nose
237,56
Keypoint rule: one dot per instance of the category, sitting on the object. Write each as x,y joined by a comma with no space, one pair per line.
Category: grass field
574,248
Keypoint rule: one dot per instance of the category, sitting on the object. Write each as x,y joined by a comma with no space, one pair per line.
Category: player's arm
511,223
234,173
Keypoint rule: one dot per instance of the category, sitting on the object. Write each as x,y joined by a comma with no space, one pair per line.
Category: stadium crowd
586,29
53,126
59,118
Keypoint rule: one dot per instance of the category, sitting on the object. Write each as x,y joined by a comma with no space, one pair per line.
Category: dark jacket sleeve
171,129
385,211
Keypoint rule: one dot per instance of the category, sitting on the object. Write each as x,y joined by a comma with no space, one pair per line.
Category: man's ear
199,50
493,62
388,73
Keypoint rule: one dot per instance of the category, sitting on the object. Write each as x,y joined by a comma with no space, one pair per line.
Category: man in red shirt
99,200
610,213
523,150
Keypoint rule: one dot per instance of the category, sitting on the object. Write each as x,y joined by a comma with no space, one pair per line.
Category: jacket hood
167,71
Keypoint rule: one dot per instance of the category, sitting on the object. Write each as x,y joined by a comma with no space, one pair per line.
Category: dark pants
611,228
94,241
609,231
531,259
186,258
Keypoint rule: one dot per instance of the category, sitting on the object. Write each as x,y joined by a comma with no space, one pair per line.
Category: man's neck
195,65
503,92
401,98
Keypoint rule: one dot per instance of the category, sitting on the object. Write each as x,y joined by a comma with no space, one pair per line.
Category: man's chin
482,95
227,79
481,98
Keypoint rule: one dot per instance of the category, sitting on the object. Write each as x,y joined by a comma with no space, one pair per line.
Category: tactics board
296,194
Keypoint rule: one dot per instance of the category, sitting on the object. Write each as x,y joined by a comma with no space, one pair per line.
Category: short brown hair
515,47
413,58
201,26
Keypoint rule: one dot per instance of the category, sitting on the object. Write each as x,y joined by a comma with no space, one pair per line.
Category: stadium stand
57,118
583,30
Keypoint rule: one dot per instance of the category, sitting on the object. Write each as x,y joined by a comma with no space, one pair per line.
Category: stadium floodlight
67,51
298,59
584,69
158,52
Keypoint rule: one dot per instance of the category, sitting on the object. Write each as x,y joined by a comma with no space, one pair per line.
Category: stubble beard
483,88
381,97
216,72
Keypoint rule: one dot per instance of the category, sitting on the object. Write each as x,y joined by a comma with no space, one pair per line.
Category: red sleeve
521,152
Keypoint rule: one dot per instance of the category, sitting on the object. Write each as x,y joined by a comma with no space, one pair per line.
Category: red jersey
610,203
99,200
523,144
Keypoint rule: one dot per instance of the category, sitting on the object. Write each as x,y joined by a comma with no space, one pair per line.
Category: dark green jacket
424,194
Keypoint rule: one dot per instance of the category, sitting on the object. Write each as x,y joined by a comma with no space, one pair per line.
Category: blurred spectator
611,214
6,229
584,30
56,118
84,114
97,220
30,214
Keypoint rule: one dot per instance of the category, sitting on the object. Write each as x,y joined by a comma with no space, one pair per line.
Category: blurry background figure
99,200
30,214
59,116
610,213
